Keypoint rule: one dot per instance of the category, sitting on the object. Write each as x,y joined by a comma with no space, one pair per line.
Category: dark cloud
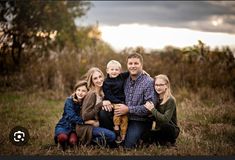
180,14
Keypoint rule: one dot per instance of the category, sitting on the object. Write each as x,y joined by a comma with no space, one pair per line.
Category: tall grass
207,125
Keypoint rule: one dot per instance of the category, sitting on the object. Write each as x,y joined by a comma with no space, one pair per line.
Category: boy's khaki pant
121,121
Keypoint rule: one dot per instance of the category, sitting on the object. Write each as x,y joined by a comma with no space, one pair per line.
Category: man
139,88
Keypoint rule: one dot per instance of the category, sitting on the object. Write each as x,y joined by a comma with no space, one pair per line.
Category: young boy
113,88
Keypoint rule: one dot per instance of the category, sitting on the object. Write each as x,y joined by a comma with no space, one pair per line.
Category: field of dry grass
206,121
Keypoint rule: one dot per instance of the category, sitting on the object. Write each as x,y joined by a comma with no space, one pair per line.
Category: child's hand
149,105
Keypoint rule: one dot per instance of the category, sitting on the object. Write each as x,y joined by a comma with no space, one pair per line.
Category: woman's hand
149,105
106,102
107,106
96,124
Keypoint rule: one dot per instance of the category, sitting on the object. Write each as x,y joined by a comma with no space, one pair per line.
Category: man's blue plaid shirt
137,93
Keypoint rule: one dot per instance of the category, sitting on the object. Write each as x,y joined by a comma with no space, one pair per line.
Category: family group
125,109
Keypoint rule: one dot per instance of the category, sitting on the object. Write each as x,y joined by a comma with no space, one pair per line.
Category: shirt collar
138,77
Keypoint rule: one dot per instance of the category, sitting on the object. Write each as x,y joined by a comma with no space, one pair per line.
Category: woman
92,104
166,130
65,128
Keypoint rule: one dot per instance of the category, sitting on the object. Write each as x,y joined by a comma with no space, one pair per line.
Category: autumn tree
29,26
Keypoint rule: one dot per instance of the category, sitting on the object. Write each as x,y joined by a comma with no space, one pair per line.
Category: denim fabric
69,118
102,135
134,132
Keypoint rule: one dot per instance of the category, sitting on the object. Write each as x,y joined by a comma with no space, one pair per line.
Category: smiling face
113,70
81,92
160,86
134,66
97,79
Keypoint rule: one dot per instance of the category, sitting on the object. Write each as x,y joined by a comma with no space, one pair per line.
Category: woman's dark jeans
103,136
106,119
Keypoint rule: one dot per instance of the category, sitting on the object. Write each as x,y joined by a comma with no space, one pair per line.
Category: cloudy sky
149,23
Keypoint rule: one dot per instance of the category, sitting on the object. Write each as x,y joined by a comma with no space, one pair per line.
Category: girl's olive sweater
166,113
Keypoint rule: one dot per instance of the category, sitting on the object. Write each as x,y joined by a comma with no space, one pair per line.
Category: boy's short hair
114,62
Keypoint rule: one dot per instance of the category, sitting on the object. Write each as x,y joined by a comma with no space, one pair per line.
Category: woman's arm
89,107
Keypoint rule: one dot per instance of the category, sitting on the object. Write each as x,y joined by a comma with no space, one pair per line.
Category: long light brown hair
168,92
88,78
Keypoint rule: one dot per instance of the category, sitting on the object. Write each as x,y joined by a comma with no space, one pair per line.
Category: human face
160,86
81,92
134,66
113,71
97,79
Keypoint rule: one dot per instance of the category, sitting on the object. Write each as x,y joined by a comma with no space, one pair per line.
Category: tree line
41,47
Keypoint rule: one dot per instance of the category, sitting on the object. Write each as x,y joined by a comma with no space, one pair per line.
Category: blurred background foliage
43,53
42,48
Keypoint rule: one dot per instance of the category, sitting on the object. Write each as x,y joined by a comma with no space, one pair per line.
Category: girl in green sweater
165,130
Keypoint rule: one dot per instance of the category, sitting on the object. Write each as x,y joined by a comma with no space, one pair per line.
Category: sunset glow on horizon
154,37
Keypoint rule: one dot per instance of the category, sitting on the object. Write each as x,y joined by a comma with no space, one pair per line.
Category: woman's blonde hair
168,93
77,85
89,75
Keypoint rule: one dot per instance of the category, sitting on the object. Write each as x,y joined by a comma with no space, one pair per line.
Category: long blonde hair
168,93
88,77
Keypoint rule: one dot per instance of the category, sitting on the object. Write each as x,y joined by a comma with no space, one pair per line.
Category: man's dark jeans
134,131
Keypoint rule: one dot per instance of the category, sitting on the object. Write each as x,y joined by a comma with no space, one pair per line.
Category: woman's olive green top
166,112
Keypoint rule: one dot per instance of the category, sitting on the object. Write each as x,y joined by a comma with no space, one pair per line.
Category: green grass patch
207,128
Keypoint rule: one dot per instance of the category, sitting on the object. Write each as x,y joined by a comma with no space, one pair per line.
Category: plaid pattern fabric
137,93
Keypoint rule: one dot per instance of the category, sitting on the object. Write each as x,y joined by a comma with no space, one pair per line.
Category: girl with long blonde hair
166,93
165,130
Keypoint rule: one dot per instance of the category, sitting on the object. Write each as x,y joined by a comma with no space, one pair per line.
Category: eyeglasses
159,85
